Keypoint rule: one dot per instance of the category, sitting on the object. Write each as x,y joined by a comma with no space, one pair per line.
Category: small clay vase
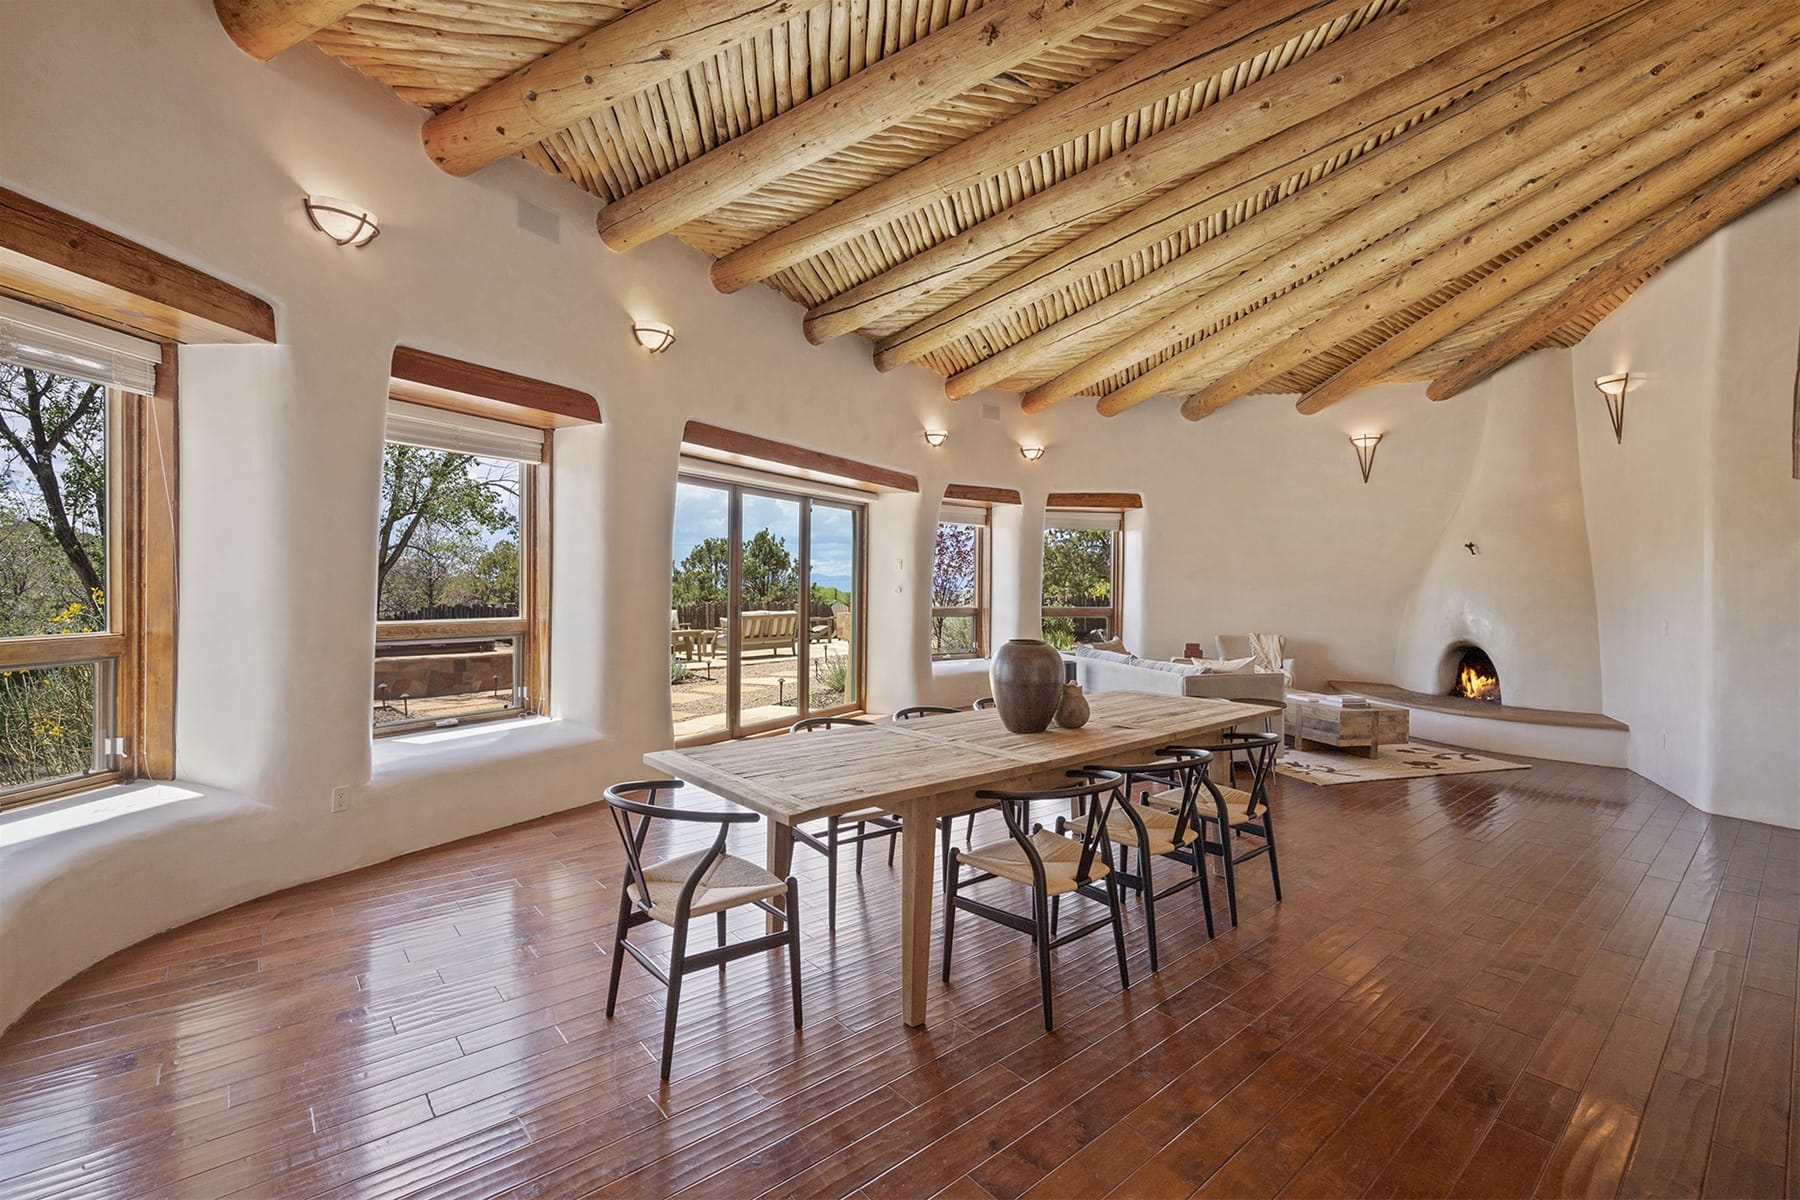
1027,679
1072,712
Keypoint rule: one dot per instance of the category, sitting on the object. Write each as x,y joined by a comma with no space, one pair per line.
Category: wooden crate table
922,770
1364,728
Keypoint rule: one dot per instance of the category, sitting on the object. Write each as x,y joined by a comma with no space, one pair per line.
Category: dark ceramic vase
1072,710
1027,679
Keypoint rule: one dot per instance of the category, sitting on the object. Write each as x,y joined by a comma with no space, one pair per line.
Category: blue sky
702,512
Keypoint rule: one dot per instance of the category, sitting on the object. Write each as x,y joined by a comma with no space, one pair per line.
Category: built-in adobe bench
1560,734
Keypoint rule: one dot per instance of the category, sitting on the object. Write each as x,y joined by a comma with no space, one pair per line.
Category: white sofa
1103,671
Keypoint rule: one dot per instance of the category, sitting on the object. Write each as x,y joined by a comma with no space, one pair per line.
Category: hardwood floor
1556,982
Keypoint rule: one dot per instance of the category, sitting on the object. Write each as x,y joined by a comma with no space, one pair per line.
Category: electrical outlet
340,798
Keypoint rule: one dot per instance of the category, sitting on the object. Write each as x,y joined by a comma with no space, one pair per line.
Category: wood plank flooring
1557,982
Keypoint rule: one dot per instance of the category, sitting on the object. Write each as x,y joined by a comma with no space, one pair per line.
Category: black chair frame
1172,768
1098,789
1221,830
633,819
827,840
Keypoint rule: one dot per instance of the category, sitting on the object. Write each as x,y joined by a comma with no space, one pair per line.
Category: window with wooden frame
87,555
961,565
1083,566
462,568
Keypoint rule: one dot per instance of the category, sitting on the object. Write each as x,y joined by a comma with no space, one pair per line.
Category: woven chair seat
729,882
1159,823
1061,855
1167,801
1237,801
864,814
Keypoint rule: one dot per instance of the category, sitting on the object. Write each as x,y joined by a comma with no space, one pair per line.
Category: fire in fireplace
1475,676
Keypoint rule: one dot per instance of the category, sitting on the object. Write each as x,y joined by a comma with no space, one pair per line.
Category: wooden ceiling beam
1551,98
1264,166
1763,172
1661,150
603,68
966,53
1497,35
264,28
1444,354
1389,233
1732,196
1398,271
1238,34
1483,217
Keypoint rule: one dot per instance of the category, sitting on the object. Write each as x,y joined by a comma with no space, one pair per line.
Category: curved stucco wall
1694,519
1526,595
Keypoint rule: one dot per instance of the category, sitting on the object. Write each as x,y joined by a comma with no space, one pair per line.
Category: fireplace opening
1475,676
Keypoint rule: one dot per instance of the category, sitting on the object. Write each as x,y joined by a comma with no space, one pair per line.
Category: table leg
779,858
918,854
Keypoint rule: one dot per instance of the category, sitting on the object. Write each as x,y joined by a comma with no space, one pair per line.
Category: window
960,567
86,556
1081,576
746,652
461,570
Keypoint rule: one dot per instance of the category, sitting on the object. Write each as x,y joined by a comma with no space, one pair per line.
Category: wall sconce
1613,388
1365,444
343,222
936,437
653,336
1031,453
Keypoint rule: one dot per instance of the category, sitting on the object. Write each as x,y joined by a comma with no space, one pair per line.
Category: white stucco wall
1527,595
144,118
1694,521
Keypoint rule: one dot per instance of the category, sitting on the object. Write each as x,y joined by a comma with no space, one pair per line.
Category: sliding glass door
764,613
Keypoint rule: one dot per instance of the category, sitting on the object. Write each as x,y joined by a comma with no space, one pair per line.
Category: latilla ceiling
1098,202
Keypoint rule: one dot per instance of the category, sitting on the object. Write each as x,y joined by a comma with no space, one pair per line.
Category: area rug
1409,760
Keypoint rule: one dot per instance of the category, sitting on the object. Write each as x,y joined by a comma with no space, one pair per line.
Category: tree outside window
454,638
956,584
53,565
1080,588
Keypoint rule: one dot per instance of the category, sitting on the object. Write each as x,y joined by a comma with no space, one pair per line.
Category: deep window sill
402,757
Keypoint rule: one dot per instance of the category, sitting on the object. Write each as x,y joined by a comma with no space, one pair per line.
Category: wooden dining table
928,768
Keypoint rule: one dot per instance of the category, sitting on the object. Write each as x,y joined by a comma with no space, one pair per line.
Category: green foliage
1077,574
1078,568
46,723
678,671
823,595
52,564
52,503
952,636
704,575
437,543
830,680
771,580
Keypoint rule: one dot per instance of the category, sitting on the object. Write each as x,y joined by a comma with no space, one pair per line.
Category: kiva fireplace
1473,674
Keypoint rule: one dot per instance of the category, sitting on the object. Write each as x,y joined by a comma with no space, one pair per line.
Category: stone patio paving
770,688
